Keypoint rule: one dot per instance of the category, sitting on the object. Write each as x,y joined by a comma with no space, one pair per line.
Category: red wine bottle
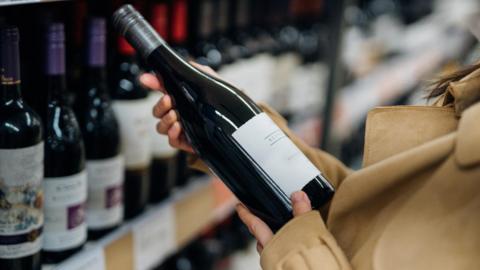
163,168
235,138
65,182
21,165
180,34
132,109
101,133
204,49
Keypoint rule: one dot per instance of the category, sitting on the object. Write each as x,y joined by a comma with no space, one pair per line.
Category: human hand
164,110
260,230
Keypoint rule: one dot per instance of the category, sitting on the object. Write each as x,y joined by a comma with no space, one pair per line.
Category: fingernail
297,196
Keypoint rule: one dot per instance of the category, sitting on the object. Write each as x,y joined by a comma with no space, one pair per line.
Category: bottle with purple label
132,108
101,134
21,165
65,183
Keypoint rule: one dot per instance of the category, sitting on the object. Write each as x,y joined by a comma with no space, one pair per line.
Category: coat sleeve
333,169
304,243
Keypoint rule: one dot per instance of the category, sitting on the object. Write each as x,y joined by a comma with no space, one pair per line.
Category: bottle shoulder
61,124
127,85
20,126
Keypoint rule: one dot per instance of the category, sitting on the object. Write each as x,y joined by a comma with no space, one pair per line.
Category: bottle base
26,263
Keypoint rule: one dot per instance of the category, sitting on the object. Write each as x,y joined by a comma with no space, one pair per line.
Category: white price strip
154,238
93,259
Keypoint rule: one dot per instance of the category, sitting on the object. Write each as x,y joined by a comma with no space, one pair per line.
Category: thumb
301,203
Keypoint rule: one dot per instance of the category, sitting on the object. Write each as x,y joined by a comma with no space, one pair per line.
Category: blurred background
323,64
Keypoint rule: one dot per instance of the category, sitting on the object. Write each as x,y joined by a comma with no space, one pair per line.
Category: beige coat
414,205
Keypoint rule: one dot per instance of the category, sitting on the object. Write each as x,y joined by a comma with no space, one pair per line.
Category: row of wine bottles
75,170
90,161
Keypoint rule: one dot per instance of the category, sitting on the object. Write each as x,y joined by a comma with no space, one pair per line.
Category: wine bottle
21,165
101,133
180,33
164,160
65,182
287,59
238,141
179,26
163,168
304,95
204,49
131,106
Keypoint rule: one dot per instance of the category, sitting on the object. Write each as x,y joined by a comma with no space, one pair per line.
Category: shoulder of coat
467,150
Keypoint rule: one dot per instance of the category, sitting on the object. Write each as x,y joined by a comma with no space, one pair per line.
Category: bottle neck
56,85
10,72
96,79
10,92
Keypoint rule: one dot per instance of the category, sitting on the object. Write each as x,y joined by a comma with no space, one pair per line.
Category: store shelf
395,77
23,2
162,230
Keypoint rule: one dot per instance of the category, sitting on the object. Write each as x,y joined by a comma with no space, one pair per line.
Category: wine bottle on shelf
238,47
181,35
304,94
203,20
163,168
178,28
65,183
101,133
164,162
21,165
238,141
222,41
286,57
133,111
261,64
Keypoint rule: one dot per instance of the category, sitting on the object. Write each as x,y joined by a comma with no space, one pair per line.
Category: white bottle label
21,201
133,116
105,192
271,149
159,143
65,199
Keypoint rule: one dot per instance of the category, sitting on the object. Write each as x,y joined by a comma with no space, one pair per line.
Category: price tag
93,259
154,238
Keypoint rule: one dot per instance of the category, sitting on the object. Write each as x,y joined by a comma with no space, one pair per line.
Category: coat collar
392,130
462,94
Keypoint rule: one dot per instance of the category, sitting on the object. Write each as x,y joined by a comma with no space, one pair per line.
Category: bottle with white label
239,142
21,166
163,168
65,185
134,113
101,133
164,16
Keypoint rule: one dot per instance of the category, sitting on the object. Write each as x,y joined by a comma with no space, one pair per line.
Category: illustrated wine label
105,192
133,116
21,201
274,153
65,199
159,143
